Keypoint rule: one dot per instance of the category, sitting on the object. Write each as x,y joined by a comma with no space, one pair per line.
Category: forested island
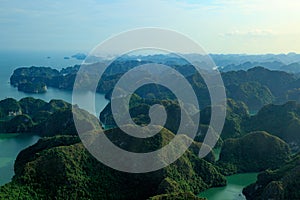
150,100
58,166
183,179
279,183
256,87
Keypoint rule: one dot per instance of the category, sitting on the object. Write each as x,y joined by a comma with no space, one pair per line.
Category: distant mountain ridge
256,87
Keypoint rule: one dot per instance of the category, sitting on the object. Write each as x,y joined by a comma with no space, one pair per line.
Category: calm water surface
12,60
12,144
234,188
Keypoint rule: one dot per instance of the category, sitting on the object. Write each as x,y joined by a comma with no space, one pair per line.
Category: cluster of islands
260,134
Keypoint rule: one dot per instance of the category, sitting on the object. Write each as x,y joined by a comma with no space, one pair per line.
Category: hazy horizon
70,52
219,26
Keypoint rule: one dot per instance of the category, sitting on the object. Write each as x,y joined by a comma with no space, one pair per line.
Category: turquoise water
217,152
234,188
10,146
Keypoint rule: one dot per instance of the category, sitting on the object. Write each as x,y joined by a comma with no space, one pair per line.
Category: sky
219,26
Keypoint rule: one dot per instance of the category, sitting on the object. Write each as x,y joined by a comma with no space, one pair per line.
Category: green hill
177,196
31,115
236,113
253,94
9,107
253,152
282,121
139,111
61,168
279,184
256,87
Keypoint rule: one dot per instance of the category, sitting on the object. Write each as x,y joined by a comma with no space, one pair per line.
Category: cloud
258,5
212,23
250,33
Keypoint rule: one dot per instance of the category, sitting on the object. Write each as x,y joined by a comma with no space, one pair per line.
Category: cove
10,146
234,188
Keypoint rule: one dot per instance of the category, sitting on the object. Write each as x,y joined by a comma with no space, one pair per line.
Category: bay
9,61
12,144
234,188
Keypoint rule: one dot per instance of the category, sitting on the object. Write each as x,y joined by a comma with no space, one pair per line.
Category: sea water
12,144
